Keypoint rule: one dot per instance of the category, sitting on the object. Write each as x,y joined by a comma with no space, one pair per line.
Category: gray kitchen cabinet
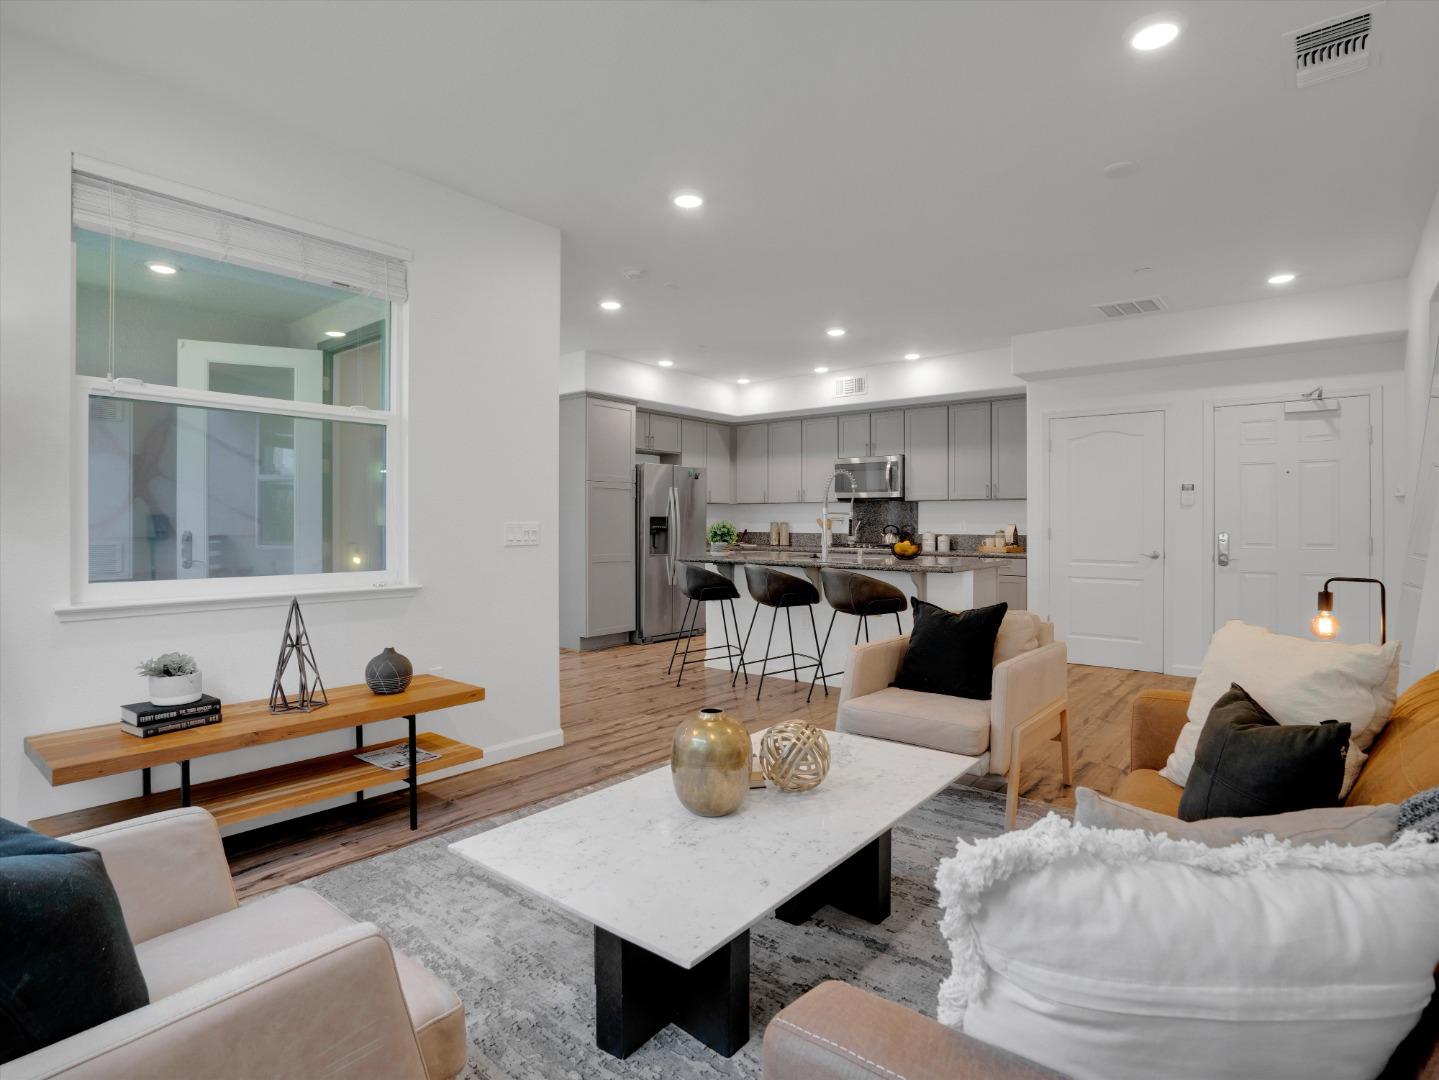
1008,449
970,471
664,434
1013,583
751,463
610,559
642,430
785,463
926,462
819,445
854,435
694,451
886,433
609,440
719,461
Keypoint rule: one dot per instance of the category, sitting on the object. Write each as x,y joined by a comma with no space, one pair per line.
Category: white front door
1106,513
1291,504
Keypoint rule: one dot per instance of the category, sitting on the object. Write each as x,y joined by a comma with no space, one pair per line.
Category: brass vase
709,763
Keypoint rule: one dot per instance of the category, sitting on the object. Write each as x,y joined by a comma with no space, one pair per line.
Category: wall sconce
1325,626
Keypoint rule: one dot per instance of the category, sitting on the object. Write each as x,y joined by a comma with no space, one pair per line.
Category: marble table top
629,858
849,559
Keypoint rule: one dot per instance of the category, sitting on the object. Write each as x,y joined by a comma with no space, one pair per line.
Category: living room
1062,363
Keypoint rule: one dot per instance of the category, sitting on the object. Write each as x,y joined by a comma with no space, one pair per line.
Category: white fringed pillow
1121,955
1297,682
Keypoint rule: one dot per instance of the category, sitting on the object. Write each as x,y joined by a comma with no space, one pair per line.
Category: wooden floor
618,712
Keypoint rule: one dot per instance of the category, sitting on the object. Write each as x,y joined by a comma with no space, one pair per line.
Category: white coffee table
672,895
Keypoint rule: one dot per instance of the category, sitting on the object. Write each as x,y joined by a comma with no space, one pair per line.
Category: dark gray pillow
951,652
1246,763
1421,812
67,962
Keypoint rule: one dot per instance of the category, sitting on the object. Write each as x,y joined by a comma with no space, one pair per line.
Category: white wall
483,348
1421,292
1181,393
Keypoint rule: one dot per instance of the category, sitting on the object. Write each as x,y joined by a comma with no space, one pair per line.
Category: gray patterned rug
525,970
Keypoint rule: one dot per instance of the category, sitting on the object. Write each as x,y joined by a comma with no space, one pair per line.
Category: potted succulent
721,535
174,679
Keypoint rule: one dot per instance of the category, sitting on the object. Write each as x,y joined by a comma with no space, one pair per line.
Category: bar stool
775,591
861,595
699,585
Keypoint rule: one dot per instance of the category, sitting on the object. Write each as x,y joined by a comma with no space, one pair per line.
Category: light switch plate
522,534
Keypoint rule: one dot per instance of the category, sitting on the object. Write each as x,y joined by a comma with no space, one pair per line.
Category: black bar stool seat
859,595
700,585
772,589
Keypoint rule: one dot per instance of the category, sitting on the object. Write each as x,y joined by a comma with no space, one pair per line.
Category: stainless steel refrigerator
671,502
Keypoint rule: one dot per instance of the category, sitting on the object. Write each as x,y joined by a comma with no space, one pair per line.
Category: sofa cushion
1102,953
1149,790
66,962
278,920
1018,634
938,721
1347,825
1405,759
951,652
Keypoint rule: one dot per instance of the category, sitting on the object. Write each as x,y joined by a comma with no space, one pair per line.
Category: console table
67,757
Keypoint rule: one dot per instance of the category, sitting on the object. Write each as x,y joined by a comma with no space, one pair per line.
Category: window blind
113,208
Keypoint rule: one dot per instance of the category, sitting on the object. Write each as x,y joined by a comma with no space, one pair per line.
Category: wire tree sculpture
296,644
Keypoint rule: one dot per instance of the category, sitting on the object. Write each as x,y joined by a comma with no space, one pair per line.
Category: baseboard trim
505,751
1189,670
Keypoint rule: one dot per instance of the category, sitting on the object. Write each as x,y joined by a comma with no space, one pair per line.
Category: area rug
525,970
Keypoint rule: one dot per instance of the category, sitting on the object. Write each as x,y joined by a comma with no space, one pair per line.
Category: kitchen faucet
824,529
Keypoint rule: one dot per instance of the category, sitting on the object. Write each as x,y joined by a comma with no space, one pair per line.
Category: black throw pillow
951,652
1247,763
67,962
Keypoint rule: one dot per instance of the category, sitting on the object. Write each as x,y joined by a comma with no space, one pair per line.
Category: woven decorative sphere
794,756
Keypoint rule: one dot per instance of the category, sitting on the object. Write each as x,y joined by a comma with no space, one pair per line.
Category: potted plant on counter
721,535
174,679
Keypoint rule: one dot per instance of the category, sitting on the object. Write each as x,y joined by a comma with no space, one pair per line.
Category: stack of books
144,719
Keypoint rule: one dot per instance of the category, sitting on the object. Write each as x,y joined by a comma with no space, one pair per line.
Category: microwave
873,477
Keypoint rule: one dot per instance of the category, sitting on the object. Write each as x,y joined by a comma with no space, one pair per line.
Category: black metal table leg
414,781
359,745
637,993
859,886
184,783
145,782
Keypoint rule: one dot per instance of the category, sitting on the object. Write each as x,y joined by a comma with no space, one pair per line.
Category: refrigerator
670,504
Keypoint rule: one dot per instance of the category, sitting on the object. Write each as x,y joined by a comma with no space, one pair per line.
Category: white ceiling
926,174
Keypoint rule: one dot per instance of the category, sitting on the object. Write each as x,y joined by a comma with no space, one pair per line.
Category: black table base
858,886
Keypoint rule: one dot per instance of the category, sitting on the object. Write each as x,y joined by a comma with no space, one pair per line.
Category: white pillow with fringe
1122,955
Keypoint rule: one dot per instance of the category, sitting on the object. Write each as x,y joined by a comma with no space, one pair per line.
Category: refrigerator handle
672,510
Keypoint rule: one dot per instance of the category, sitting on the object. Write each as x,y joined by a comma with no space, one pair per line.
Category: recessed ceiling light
689,200
610,305
1281,279
911,356
161,268
334,333
667,363
1154,36
835,331
821,370
742,382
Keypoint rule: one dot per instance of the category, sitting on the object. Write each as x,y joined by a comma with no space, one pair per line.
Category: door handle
1222,549
187,549
1150,554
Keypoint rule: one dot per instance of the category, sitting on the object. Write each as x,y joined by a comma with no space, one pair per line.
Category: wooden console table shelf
66,757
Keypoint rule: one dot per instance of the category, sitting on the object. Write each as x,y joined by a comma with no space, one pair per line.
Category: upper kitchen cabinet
609,440
926,459
970,475
886,433
819,445
751,463
657,434
1009,451
854,435
693,449
719,460
785,468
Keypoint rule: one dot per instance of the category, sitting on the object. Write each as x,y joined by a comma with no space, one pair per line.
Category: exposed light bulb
1324,625
1154,36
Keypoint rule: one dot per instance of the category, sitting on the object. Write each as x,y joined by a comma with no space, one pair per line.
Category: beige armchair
286,986
1029,702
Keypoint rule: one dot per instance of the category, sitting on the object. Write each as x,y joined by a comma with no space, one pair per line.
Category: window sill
176,605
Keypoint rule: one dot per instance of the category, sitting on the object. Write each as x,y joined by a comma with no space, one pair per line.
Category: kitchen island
955,582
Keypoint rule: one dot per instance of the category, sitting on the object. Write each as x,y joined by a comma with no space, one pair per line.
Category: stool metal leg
689,636
675,651
728,652
864,621
744,649
819,658
774,617
833,614
735,616
898,626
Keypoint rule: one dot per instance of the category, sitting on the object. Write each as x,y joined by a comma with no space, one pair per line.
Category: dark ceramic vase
388,673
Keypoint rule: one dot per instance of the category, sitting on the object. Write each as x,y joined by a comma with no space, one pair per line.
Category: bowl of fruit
904,548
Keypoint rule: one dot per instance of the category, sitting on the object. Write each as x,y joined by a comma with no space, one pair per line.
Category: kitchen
633,482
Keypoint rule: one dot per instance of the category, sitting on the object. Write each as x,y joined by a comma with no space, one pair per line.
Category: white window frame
108,598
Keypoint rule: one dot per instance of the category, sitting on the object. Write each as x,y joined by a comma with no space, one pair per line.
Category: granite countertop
846,559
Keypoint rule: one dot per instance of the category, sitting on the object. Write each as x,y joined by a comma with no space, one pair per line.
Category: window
236,380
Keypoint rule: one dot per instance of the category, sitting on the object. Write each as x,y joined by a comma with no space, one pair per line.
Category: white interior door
1291,491
1106,513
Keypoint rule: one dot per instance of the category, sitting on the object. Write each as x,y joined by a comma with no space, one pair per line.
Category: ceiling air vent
1333,49
1122,309
851,386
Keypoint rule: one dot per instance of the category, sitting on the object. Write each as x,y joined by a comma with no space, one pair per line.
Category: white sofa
287,986
1029,702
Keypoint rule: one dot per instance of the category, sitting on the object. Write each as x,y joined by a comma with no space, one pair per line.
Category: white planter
719,549
175,689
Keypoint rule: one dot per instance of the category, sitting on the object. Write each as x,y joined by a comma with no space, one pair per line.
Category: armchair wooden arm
1154,726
